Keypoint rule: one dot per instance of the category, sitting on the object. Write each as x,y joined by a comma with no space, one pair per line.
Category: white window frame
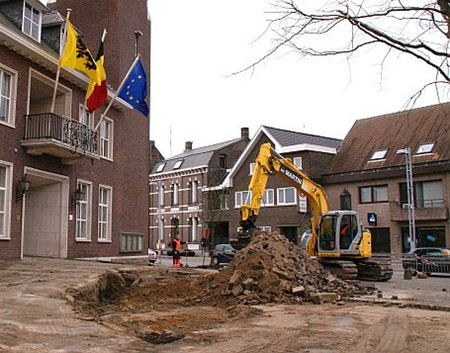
5,209
425,148
240,198
12,99
32,22
178,164
252,167
194,191
104,225
379,154
193,224
176,191
85,204
298,162
106,142
85,117
269,194
223,202
281,196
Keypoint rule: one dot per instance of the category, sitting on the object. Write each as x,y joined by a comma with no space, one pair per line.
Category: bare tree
418,29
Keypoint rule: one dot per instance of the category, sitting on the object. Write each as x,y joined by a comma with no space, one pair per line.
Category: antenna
170,139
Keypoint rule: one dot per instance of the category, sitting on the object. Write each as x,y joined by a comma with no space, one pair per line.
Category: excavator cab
341,233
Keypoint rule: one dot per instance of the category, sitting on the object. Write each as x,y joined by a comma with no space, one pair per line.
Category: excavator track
363,270
374,270
346,270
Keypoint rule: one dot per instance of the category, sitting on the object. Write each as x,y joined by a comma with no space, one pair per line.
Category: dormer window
160,167
31,23
425,148
178,164
380,154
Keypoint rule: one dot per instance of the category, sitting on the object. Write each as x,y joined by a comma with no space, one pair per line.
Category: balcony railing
433,211
59,136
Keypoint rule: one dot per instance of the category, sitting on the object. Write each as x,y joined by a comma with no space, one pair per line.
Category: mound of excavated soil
273,270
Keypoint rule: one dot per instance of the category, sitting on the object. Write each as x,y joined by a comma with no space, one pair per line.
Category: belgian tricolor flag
97,93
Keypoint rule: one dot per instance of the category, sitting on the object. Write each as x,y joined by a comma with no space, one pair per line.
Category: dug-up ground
271,298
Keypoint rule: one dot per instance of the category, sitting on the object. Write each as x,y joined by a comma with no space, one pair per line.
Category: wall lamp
78,195
23,187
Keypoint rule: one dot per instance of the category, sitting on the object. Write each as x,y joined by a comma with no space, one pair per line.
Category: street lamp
410,193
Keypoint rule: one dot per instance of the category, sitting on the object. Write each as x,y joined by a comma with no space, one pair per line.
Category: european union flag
134,90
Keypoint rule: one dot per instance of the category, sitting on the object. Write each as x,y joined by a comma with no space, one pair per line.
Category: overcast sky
197,44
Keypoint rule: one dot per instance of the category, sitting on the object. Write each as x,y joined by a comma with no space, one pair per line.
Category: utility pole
410,193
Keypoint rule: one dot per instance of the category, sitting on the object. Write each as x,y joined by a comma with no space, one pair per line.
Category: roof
392,132
284,141
197,157
290,138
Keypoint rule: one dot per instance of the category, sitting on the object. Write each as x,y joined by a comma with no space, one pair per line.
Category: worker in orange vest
176,251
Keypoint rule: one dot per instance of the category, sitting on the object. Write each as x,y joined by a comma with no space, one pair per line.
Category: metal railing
426,263
70,133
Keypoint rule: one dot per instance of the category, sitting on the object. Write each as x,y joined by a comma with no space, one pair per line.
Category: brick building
88,190
283,210
177,202
368,175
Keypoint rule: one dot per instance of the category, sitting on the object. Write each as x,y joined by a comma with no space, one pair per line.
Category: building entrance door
45,215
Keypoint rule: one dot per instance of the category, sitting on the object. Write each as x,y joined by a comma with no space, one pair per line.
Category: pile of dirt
273,270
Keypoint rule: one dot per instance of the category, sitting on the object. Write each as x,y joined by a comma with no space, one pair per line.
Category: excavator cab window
327,239
348,231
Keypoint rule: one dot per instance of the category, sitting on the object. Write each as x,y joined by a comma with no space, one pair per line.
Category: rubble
273,270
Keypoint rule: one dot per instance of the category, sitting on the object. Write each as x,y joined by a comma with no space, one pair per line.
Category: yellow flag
77,56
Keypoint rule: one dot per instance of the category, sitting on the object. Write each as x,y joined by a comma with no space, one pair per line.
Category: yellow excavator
337,238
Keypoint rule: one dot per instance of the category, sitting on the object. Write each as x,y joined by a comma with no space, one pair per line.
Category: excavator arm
269,162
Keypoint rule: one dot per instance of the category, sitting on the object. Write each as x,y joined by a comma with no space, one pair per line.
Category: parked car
152,256
428,260
222,254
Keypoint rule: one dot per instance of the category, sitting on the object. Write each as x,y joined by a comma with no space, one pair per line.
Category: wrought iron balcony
59,136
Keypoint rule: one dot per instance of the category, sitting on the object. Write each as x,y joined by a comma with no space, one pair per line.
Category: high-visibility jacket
176,244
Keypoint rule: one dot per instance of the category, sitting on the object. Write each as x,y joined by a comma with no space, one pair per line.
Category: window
242,198
31,24
5,181
427,194
160,167
268,198
104,213
178,164
83,213
131,242
86,118
380,154
193,191
106,130
372,194
222,161
161,195
175,191
252,168
8,80
298,162
425,148
223,202
193,223
287,196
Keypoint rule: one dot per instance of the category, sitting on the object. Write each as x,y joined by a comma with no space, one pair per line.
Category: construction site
271,297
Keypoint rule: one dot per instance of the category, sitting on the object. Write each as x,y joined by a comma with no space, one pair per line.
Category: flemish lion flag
97,94
77,56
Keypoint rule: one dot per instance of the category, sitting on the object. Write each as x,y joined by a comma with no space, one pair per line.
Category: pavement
36,315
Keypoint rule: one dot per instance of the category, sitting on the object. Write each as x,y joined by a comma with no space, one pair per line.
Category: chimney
188,146
244,133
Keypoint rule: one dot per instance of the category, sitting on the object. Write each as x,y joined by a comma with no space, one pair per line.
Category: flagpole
58,70
116,93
